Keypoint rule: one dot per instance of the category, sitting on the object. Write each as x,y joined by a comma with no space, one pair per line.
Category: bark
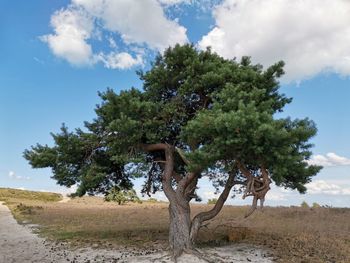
256,186
207,215
179,208
179,229
183,232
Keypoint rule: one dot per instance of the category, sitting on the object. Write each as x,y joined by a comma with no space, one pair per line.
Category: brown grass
295,234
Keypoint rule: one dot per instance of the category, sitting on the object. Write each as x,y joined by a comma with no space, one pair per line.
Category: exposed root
159,259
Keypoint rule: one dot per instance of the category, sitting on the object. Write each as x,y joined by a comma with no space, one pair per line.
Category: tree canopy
197,115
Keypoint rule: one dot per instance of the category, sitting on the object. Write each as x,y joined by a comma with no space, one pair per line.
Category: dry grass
23,203
312,235
15,195
297,234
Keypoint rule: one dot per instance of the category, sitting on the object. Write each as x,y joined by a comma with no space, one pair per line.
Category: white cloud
112,42
139,22
121,60
330,159
311,37
208,195
65,191
173,2
13,175
73,27
200,5
324,187
275,196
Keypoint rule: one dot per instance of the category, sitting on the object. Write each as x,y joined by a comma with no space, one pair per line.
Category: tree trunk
179,228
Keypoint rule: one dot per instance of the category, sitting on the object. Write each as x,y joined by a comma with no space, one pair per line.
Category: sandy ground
19,244
65,199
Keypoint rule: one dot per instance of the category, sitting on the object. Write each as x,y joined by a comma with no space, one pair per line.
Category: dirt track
19,245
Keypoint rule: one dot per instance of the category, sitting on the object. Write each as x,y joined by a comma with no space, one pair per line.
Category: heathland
290,234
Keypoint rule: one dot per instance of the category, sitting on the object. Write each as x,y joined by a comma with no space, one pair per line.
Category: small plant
122,196
304,205
27,210
212,201
315,205
152,200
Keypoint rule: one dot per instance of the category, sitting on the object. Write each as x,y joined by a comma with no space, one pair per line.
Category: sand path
65,199
18,244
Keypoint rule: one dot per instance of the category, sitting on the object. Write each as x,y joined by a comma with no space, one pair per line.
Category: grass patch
14,195
23,204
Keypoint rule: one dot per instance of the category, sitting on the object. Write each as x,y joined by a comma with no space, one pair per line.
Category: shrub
315,205
122,196
152,200
212,201
304,205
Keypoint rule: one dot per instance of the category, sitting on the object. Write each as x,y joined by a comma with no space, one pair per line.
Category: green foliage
216,110
304,205
212,201
152,200
315,205
122,196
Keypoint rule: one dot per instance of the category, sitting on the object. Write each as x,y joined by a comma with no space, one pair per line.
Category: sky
56,55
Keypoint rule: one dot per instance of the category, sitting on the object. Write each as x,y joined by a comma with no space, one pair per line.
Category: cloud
138,24
13,175
275,196
72,27
330,159
112,42
174,2
324,187
307,35
208,195
121,60
200,5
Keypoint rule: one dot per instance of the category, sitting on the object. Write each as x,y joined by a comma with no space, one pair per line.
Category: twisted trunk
183,232
179,228
179,208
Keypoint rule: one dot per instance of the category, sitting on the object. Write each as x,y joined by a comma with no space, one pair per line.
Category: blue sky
56,55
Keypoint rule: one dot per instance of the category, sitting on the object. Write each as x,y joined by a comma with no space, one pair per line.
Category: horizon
142,199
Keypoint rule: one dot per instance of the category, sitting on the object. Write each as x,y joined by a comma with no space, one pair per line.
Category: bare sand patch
65,199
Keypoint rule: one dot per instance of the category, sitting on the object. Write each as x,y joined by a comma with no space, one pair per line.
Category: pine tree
199,115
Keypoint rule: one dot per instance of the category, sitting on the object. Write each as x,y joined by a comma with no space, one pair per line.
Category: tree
304,204
199,115
121,196
212,201
315,205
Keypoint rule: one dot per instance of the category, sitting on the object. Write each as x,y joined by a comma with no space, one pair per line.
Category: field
291,234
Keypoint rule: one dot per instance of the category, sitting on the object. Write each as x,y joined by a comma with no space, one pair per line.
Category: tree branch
182,155
191,188
168,166
154,147
207,215
256,186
